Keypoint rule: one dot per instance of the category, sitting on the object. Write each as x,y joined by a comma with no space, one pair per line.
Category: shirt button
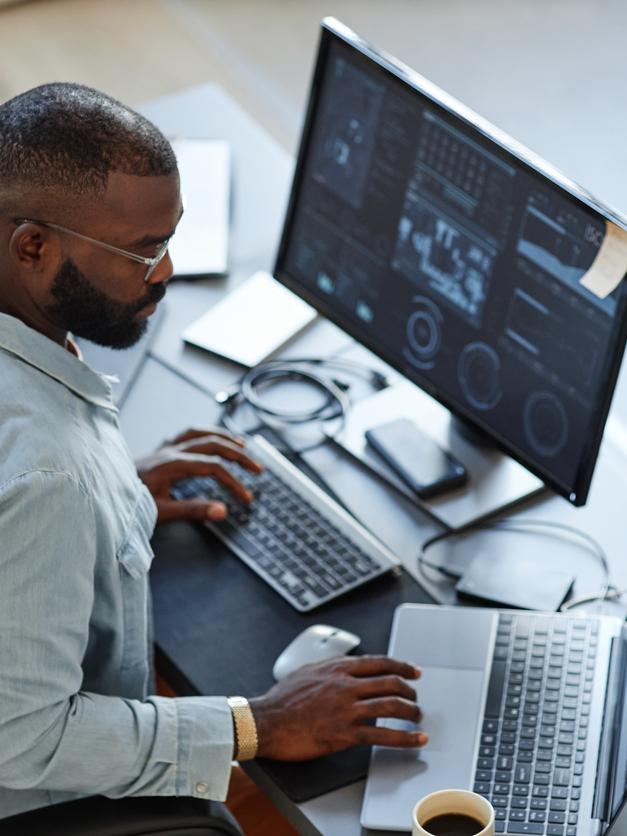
202,788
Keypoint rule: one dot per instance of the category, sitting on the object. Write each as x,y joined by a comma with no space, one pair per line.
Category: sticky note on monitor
610,265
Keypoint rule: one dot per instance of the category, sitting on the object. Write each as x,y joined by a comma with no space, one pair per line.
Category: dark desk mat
218,630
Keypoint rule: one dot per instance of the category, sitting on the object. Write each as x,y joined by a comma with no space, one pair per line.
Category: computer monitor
456,256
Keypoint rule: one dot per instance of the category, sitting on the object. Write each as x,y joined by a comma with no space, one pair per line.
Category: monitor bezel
333,31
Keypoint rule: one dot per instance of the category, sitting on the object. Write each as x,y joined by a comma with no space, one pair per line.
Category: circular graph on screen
423,333
479,375
546,423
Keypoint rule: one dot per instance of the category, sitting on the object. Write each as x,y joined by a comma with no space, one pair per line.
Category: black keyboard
301,542
533,744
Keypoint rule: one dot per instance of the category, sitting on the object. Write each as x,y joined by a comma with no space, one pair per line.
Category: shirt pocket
135,556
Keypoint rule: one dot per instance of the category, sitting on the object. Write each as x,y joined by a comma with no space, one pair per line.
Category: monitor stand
496,481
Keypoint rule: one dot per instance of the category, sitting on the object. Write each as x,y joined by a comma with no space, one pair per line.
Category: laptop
525,708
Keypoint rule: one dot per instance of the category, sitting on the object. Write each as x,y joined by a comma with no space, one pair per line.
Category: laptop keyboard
531,758
307,550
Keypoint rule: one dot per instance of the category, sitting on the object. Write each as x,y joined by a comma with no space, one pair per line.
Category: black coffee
453,824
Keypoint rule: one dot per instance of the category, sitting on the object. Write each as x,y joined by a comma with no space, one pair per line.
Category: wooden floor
253,810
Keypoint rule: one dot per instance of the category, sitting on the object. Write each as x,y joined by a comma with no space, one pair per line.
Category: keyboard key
557,818
555,830
517,815
496,689
522,774
525,827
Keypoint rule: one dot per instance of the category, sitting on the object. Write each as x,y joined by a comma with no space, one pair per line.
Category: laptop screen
618,825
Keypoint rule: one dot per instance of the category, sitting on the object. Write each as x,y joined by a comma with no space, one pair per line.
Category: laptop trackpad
451,702
450,693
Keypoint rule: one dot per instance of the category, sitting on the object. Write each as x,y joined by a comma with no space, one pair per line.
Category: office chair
99,816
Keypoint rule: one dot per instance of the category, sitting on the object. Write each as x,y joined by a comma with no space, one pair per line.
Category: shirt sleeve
53,735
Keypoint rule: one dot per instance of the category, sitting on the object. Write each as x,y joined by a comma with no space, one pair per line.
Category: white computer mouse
315,644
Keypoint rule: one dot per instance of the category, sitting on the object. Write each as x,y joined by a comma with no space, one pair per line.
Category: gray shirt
76,717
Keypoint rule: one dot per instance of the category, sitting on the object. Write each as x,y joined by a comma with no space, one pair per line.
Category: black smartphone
417,458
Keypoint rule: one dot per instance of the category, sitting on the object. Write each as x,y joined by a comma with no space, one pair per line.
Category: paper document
610,265
200,246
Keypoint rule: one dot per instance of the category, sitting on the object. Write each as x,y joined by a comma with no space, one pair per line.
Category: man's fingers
379,736
208,432
196,510
389,707
226,449
186,467
384,685
380,666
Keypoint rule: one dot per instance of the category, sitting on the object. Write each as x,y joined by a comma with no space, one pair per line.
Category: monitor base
496,481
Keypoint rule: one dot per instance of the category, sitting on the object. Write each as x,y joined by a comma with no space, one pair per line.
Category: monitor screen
455,256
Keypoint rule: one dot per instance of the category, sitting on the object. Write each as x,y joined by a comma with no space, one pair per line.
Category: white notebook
252,322
200,246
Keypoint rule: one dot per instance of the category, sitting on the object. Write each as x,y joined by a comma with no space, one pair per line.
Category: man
89,198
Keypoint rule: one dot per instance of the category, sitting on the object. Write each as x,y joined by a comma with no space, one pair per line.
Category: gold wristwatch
245,729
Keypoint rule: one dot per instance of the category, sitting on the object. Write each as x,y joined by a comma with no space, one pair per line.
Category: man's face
90,313
100,295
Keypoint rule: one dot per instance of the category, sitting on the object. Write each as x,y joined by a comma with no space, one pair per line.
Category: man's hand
195,453
323,708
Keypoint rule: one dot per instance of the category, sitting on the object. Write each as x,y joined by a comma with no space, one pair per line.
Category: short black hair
71,136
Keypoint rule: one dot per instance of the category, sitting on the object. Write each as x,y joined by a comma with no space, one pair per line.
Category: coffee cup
453,813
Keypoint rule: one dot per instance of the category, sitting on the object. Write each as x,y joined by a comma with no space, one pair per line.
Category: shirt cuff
205,747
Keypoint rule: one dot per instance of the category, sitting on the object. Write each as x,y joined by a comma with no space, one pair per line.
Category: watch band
245,729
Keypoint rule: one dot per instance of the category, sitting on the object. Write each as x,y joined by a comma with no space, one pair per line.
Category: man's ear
34,250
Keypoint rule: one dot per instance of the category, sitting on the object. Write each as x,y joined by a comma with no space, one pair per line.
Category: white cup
447,802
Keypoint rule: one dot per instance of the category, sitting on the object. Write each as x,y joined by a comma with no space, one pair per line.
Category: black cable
334,407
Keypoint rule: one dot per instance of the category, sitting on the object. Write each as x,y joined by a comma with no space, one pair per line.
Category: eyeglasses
151,263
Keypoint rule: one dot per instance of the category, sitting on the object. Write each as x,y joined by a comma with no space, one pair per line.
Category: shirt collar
57,362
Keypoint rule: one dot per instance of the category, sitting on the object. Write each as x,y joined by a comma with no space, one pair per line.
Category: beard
87,312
